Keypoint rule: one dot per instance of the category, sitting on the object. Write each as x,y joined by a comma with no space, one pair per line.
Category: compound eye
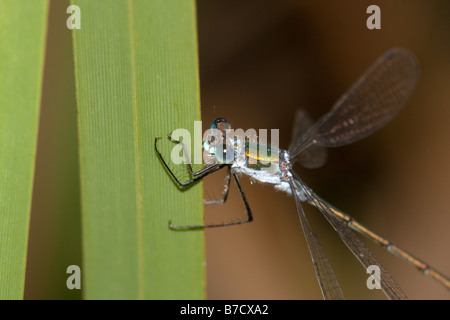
225,156
221,123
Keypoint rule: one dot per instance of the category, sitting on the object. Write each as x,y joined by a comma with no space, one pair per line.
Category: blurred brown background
259,62
55,226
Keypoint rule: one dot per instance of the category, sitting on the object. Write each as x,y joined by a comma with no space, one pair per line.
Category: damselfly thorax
261,163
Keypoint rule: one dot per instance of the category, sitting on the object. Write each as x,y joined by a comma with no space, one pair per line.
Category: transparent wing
368,105
313,157
388,285
325,275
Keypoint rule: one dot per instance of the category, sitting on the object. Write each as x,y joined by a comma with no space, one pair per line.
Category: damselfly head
221,123
216,144
219,129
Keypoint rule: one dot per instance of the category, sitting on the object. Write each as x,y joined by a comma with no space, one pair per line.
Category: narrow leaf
22,45
137,78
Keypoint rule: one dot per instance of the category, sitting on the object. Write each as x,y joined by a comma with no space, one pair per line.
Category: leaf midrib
139,213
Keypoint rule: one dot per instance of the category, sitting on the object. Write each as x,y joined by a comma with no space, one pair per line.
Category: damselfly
367,106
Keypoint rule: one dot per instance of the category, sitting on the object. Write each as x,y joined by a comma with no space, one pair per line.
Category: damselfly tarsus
367,106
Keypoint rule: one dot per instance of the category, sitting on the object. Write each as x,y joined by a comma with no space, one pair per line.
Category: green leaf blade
137,78
22,46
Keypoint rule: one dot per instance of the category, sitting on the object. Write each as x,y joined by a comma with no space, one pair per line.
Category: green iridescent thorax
260,156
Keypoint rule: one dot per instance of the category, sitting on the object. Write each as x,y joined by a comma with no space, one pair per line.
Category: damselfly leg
198,175
225,190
